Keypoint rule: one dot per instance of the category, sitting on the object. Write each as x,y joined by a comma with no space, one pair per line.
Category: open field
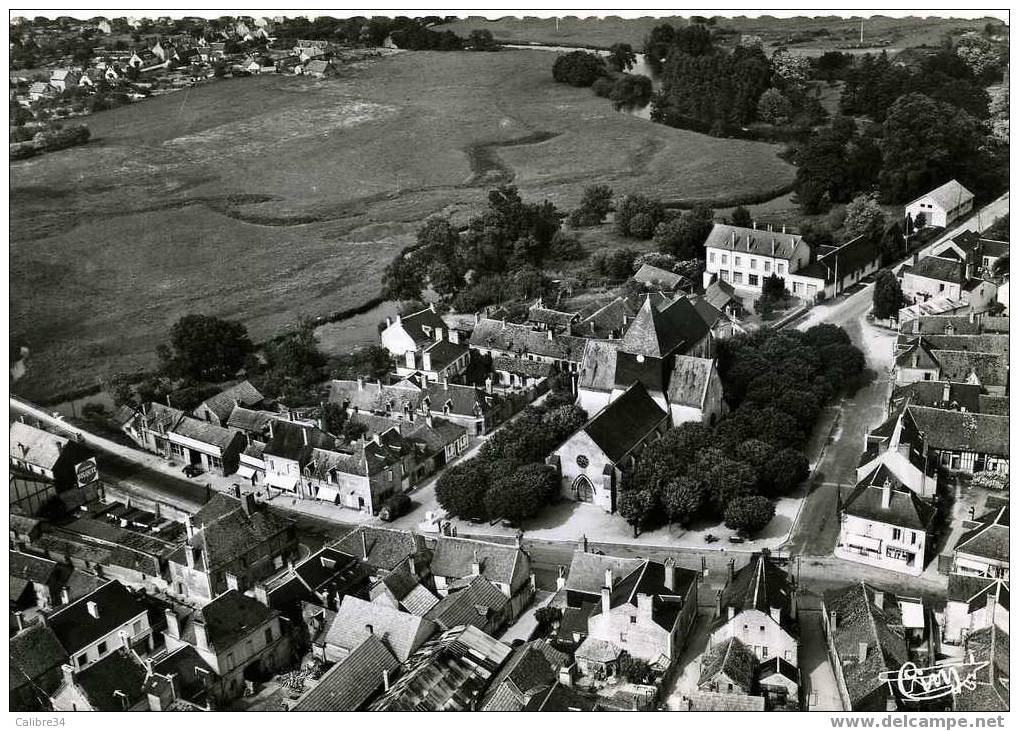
806,34
272,197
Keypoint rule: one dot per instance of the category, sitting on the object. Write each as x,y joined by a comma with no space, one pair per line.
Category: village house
954,325
729,667
958,441
442,360
353,681
403,590
323,578
518,372
871,632
178,680
386,550
592,461
232,543
318,67
65,463
448,673
357,619
610,321
100,623
988,648
237,636
36,581
436,441
498,338
886,525
111,684
667,348
835,269
65,79
479,602
176,435
412,332
758,606
980,360
648,612
218,409
981,254
902,453
456,561
941,207
361,475
949,396
546,318
933,277
289,450
744,257
660,279
531,669
36,659
974,603
39,90
983,550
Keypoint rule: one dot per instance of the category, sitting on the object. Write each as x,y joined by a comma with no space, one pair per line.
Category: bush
578,68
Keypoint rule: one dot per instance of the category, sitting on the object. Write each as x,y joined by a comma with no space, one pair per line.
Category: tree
462,488
566,248
684,236
637,216
207,348
786,470
773,288
978,53
333,417
637,508
631,91
724,479
546,616
594,206
578,68
402,279
864,217
748,515
683,499
888,299
741,216
119,389
523,493
791,68
773,107
482,40
668,458
634,669
621,57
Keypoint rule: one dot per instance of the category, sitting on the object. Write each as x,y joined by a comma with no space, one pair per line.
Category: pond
640,67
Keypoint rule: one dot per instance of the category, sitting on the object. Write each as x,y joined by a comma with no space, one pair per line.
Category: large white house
942,206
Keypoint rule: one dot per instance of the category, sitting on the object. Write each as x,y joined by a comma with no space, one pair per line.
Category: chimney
428,419
670,574
476,565
783,228
489,385
560,581
718,602
776,614
261,593
19,617
237,491
863,651
369,629
879,599
364,544
270,429
833,623
93,609
431,306
172,624
250,505
731,569
65,595
608,578
68,671
606,600
946,392
438,334
304,434
385,681
731,612
201,636
582,545
548,335
886,495
645,605
360,383
916,357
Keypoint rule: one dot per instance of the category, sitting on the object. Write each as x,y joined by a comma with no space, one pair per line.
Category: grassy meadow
271,197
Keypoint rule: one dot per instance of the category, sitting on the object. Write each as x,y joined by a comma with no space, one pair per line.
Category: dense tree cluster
683,235
205,348
776,385
508,479
637,216
578,68
594,206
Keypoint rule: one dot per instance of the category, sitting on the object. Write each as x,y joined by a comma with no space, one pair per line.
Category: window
753,263
582,461
753,279
724,274
941,288
737,277
762,628
725,259
764,652
767,266
736,261
797,287
896,534
136,628
82,660
101,648
268,635
633,619
912,538
711,257
781,267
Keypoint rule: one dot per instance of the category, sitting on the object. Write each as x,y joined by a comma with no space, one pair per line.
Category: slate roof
657,276
228,619
906,509
100,681
752,241
598,650
778,665
500,563
657,332
226,532
411,395
598,367
76,628
351,682
763,585
851,256
546,316
649,579
997,405
932,393
474,604
250,420
961,431
386,548
735,660
33,652
858,621
921,350
587,571
443,352
947,196
447,674
974,590
688,382
980,343
222,403
205,432
31,568
625,422
991,646
296,442
404,588
560,698
938,269
719,294
702,702
525,673
940,325
402,633
989,538
520,366
41,447
492,334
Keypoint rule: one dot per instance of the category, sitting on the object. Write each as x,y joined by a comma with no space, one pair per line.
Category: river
640,67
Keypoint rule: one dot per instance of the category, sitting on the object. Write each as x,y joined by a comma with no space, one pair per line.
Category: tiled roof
402,633
763,585
719,294
351,682
31,568
940,325
587,571
386,548
228,619
296,442
688,382
226,532
732,658
546,316
523,675
76,628
657,276
625,422
560,698
598,367
474,604
504,564
442,353
778,665
529,368
989,539
649,579
982,343
752,241
416,323
991,646
916,355
223,402
205,432
657,332
35,446
990,369
102,682
702,702
249,420
948,195
961,431
597,650
905,509
974,590
852,255
938,269
932,393
33,652
524,339
409,395
859,623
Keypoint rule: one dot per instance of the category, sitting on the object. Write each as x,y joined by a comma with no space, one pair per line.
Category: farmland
268,198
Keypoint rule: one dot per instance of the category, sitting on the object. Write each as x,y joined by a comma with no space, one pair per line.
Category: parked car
735,539
192,470
394,507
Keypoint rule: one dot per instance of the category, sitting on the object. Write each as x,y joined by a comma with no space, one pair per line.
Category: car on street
192,470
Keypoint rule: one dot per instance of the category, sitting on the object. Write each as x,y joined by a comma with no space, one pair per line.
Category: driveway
820,691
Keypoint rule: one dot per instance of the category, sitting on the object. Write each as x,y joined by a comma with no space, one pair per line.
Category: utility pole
861,31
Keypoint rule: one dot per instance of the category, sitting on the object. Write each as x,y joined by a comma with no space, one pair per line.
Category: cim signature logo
939,680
